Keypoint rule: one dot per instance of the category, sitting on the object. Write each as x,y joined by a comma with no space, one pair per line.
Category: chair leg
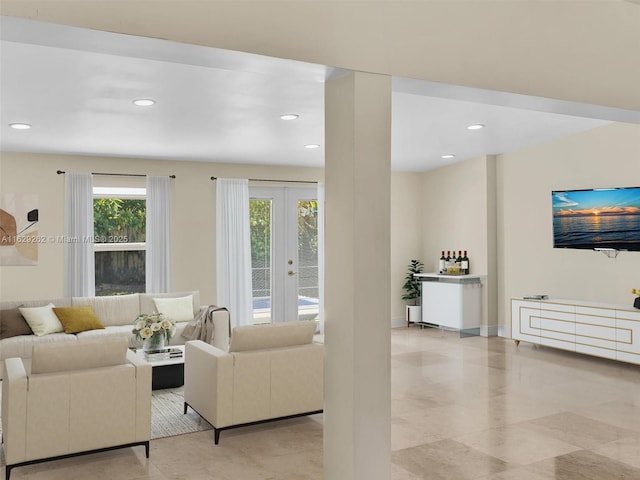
216,435
146,448
8,472
185,407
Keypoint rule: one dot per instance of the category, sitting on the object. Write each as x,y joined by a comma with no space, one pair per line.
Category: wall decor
19,237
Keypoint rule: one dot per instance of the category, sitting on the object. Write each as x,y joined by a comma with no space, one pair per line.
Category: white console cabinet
452,301
602,330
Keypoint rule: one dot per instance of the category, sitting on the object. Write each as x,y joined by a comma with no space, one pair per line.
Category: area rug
167,418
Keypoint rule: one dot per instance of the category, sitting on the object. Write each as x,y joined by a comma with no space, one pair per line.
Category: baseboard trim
398,322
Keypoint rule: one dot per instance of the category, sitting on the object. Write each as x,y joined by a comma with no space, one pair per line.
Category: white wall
193,217
193,214
604,157
454,213
458,212
406,235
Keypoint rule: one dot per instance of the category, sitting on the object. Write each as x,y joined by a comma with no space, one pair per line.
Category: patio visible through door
284,254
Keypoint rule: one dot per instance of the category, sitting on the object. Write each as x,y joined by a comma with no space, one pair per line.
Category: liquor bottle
442,264
447,262
464,264
459,259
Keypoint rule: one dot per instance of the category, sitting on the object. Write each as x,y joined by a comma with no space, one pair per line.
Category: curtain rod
61,172
278,181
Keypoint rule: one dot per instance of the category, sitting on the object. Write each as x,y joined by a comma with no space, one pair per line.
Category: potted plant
412,288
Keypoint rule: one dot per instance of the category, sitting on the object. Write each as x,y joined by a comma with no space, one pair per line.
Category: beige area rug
167,418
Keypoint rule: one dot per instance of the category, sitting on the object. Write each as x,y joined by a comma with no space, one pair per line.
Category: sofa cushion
273,335
12,324
121,331
178,309
56,357
114,309
77,319
41,320
148,305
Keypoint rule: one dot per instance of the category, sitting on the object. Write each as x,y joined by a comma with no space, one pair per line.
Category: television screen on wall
597,218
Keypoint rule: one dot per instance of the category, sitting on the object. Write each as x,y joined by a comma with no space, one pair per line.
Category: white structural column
357,430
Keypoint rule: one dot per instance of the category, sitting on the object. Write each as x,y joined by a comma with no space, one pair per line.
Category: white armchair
77,399
271,372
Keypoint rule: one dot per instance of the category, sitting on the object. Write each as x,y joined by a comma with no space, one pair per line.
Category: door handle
291,273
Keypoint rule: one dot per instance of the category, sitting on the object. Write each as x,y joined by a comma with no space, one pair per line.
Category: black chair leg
185,407
216,435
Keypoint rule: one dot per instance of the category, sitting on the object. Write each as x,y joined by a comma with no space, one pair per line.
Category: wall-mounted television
606,218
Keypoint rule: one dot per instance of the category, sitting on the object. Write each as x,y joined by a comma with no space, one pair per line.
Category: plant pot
636,303
413,314
155,342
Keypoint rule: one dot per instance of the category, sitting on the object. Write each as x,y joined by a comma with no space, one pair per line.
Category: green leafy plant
412,284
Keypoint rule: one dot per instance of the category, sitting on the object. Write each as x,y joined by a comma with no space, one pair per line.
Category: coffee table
166,373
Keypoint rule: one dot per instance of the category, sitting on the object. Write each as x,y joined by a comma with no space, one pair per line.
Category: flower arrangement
636,303
153,325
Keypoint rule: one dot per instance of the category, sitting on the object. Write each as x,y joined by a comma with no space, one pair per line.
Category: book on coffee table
163,354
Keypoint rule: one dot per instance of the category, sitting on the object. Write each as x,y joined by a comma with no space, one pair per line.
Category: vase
636,303
154,342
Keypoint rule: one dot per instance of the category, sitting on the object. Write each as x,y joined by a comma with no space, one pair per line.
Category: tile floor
470,408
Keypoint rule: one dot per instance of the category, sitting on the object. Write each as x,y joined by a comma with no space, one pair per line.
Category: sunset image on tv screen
598,218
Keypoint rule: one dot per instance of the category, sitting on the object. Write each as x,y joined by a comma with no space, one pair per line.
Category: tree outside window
119,244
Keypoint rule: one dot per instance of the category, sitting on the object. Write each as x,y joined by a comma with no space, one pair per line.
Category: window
119,217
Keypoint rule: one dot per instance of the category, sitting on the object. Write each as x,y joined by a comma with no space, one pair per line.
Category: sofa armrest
143,395
208,382
221,329
14,410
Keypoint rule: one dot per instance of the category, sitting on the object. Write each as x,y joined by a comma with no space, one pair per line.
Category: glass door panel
284,254
308,285
260,218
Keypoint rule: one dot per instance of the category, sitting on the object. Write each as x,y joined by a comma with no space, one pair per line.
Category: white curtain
158,235
78,248
233,249
321,255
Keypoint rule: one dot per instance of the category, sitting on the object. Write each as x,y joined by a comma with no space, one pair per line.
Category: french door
284,254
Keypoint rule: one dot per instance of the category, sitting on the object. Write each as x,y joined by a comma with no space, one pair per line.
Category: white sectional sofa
270,372
116,313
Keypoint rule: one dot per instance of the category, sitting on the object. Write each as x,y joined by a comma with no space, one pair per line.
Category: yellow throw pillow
77,319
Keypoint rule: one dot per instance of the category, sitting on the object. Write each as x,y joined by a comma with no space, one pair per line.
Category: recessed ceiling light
144,102
20,126
289,116
475,126
312,145
448,155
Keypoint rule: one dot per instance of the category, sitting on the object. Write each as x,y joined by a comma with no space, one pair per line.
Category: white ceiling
76,86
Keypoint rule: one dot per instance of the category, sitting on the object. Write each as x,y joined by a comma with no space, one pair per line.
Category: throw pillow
78,319
177,309
13,324
42,320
